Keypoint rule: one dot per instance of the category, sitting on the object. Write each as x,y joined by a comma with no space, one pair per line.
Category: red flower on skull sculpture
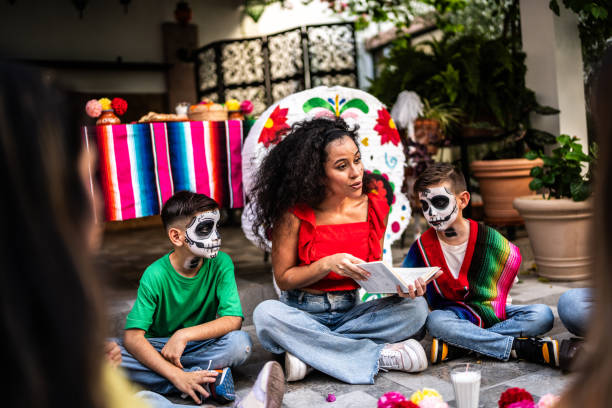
274,127
386,128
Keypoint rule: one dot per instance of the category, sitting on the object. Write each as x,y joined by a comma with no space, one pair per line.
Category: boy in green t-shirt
187,315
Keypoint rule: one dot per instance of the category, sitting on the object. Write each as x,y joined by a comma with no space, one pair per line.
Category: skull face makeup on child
439,207
202,235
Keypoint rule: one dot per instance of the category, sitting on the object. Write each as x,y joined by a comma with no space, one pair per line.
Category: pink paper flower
548,401
330,398
432,402
246,107
522,404
389,399
93,108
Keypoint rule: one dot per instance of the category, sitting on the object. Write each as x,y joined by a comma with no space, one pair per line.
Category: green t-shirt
168,301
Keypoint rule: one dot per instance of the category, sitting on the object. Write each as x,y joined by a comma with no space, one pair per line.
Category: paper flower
420,395
512,395
330,398
119,106
232,105
106,103
246,107
405,404
274,126
390,400
93,108
522,404
548,401
432,402
386,128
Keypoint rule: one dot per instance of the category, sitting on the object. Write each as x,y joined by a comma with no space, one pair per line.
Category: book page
382,280
385,279
410,275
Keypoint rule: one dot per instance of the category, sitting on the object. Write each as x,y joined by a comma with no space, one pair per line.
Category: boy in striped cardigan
468,302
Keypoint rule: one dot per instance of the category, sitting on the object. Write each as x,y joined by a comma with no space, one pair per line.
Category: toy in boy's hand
119,106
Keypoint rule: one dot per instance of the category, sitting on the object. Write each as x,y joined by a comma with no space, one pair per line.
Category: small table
142,165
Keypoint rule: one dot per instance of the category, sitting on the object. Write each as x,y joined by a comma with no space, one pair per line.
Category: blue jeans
155,400
496,341
334,334
574,309
230,350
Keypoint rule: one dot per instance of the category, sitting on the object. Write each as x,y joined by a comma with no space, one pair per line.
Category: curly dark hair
293,172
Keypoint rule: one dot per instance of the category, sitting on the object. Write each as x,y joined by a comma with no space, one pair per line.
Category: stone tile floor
125,254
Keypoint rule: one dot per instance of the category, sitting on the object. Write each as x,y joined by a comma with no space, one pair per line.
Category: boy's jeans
230,350
574,309
496,341
332,334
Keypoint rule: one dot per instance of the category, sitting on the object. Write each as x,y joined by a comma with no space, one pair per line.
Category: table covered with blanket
141,165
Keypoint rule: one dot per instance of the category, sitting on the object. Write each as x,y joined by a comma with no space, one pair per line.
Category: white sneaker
408,356
295,369
268,390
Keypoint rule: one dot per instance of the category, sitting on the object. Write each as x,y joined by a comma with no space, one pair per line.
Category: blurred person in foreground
592,386
50,302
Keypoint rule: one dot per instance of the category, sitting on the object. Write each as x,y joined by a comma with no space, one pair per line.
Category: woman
51,322
593,384
312,195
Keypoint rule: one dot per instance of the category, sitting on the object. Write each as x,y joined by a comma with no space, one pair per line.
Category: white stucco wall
554,67
52,30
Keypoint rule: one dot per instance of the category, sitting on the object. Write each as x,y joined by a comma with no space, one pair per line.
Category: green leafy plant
445,114
594,23
561,175
484,78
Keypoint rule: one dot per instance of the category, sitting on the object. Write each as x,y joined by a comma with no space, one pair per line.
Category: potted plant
559,221
434,124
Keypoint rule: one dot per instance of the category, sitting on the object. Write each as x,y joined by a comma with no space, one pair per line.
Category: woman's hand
344,265
419,287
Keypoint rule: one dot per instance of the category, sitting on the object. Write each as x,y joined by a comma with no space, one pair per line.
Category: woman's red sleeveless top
360,239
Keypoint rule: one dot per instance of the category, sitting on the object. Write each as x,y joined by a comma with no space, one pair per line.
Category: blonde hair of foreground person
593,383
50,322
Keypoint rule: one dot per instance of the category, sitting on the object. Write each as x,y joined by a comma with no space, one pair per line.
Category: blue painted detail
391,162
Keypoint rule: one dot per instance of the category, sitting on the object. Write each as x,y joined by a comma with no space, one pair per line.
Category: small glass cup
466,383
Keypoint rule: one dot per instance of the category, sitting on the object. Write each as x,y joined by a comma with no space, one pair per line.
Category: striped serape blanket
487,273
142,165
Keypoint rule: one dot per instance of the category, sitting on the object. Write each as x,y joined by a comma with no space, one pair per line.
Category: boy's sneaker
442,351
568,351
295,369
268,390
222,391
408,356
537,350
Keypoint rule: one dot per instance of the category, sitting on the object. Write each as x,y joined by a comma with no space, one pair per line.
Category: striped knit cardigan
487,273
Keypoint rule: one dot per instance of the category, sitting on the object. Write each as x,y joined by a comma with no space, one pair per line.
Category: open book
385,279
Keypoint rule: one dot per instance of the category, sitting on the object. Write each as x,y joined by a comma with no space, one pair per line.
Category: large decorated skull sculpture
379,141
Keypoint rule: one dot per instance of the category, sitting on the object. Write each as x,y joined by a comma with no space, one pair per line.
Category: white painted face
439,207
202,235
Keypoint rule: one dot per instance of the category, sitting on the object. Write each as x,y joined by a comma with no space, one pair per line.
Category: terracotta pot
501,181
108,117
427,132
559,231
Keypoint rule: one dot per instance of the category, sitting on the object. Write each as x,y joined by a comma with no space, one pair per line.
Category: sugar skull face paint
202,235
439,207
